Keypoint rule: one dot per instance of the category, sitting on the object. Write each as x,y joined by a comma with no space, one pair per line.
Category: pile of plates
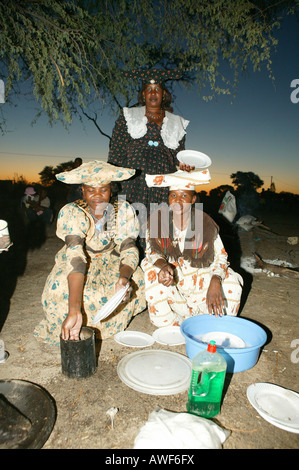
277,405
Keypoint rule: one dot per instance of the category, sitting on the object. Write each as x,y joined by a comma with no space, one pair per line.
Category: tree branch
94,120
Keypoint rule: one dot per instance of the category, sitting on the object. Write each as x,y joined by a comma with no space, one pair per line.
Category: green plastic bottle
207,380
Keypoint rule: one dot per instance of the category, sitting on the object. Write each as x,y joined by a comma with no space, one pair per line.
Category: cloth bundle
169,430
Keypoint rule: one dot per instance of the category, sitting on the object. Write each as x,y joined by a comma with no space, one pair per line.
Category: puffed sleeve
126,233
72,227
119,142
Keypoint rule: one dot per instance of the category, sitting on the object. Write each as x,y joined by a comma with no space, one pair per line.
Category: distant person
75,192
28,201
42,207
37,206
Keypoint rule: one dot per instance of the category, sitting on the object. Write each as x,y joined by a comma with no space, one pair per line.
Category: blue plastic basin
238,359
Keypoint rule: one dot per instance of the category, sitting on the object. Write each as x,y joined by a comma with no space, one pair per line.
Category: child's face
181,200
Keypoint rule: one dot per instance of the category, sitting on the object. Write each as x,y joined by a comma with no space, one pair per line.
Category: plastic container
78,358
238,359
207,380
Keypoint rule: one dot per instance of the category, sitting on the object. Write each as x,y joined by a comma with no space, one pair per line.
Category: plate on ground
134,339
156,372
169,335
275,404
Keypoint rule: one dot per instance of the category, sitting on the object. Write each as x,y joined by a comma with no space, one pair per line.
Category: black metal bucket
78,358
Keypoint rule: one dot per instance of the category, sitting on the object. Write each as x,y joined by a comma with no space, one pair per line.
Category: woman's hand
165,275
185,167
71,326
4,242
121,283
215,300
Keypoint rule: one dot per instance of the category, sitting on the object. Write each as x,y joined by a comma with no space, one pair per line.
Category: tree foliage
244,181
47,175
73,52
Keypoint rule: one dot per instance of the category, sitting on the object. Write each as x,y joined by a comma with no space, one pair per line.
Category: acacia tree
70,53
48,173
244,181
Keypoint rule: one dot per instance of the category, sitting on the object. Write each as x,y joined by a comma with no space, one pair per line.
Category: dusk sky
256,131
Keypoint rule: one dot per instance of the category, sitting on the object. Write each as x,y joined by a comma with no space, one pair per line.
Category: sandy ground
82,422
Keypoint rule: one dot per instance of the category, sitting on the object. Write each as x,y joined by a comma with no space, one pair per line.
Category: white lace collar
172,129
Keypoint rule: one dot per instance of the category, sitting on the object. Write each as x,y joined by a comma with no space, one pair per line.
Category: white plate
194,158
277,405
223,339
170,335
278,424
134,339
111,305
156,372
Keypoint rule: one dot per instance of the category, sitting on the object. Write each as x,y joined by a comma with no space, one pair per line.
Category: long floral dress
172,305
150,149
98,254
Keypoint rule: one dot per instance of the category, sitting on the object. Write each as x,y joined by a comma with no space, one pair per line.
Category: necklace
154,117
99,223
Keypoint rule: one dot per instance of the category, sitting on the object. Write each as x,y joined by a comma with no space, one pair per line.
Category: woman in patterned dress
186,268
99,258
148,138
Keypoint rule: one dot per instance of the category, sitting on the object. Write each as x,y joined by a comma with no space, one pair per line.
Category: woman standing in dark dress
148,138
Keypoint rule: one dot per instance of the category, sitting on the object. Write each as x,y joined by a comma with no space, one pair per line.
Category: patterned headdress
95,173
153,75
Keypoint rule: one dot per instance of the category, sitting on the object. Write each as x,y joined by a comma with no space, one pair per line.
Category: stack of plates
276,405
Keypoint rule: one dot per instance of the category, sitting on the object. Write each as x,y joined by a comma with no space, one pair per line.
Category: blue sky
256,131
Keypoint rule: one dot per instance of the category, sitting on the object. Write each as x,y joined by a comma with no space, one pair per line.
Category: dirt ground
82,422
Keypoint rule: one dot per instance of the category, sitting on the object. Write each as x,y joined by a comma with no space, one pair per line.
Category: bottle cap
212,347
